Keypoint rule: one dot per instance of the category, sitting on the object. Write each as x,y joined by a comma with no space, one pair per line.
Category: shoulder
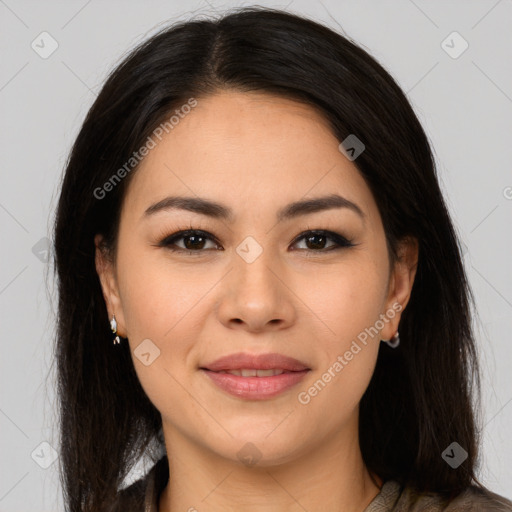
472,499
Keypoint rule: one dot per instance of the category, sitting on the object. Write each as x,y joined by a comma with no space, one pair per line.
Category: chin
259,449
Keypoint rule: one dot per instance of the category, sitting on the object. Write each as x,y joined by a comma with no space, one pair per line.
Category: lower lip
255,388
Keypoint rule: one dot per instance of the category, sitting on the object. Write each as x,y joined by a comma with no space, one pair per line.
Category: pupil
316,245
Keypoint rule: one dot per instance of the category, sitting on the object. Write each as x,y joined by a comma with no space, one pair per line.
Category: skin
255,153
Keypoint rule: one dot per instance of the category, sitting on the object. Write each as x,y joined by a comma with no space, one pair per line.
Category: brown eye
316,241
193,241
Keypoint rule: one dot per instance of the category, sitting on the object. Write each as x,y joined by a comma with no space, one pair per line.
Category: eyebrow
218,211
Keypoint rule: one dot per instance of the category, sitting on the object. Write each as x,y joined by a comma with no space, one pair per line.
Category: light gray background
464,103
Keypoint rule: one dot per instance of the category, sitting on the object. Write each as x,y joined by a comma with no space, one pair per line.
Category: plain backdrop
463,97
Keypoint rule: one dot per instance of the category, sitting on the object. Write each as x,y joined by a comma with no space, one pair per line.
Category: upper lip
242,360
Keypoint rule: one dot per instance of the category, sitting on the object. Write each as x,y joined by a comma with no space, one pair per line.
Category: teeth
254,373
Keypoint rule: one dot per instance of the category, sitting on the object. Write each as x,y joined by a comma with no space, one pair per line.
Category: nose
257,296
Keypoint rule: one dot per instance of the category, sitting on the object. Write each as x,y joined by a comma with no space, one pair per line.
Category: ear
105,269
400,284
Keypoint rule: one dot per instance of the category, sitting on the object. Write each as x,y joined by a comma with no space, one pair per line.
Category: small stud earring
394,341
113,326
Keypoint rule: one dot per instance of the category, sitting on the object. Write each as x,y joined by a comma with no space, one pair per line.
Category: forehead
248,150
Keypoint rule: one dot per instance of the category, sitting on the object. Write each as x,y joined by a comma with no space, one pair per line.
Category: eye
196,240
316,240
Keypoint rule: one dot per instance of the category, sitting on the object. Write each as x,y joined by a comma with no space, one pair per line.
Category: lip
255,388
243,360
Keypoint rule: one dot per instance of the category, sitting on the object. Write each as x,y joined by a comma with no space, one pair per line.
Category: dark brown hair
420,398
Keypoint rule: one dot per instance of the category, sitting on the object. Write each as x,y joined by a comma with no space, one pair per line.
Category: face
258,278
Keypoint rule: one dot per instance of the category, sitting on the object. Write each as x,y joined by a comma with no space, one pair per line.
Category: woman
249,209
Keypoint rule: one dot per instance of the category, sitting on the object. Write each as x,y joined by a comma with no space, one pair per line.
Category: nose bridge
255,267
255,294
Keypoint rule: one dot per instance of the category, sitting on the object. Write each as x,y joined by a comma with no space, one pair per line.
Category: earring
113,326
394,341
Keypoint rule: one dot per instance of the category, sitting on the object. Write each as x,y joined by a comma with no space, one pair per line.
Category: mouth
255,376
254,384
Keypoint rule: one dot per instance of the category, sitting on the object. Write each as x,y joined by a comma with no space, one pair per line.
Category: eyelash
340,241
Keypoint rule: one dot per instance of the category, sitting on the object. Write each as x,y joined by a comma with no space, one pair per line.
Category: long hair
422,396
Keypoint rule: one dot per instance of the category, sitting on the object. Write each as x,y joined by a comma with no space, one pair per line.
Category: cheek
161,320
346,300
157,296
348,304
333,396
